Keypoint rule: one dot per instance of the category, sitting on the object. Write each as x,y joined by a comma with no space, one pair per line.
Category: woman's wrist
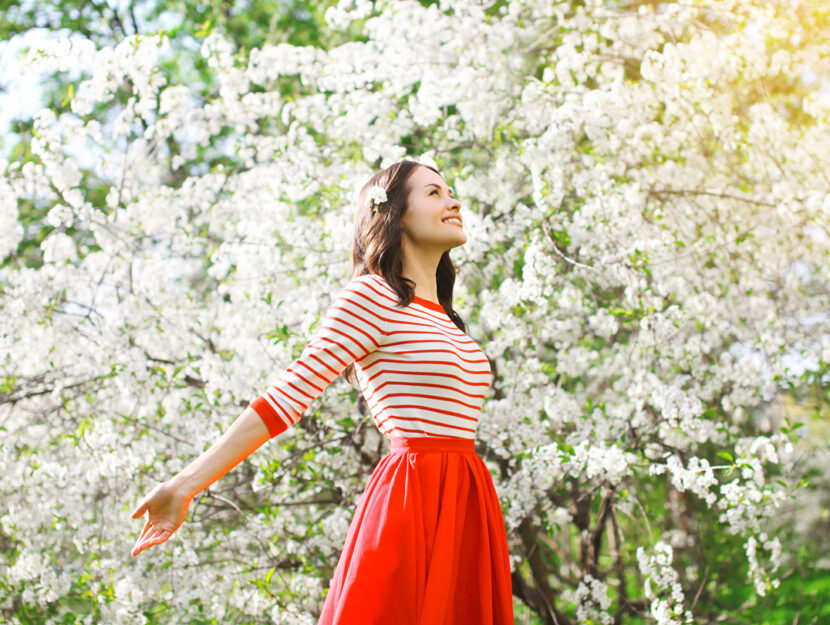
184,484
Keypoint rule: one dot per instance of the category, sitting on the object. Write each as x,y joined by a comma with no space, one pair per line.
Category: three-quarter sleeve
354,326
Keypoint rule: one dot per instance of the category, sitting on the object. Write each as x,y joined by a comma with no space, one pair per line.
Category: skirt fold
427,543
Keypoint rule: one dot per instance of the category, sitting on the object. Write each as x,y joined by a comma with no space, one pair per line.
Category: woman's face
430,204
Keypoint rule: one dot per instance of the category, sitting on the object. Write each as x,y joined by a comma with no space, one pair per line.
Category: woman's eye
434,191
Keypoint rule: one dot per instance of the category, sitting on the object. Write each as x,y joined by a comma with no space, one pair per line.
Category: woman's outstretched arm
353,326
168,502
240,440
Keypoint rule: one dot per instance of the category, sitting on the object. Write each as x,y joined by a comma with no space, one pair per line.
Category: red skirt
427,544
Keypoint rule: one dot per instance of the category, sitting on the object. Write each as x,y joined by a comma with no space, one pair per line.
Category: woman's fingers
137,548
152,536
142,543
148,527
150,539
142,508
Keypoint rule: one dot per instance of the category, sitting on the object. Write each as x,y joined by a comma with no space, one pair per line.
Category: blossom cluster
662,585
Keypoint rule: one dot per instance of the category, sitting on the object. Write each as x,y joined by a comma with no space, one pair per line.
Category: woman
427,543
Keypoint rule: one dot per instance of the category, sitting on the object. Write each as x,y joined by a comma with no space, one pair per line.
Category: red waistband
432,443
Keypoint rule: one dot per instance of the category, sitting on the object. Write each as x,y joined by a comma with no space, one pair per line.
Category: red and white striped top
419,373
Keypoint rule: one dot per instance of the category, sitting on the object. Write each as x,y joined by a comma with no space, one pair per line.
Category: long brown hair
377,242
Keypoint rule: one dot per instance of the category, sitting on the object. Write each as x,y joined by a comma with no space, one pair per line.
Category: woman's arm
240,440
353,326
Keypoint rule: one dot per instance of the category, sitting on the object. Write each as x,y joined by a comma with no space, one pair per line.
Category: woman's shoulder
375,286
370,278
371,282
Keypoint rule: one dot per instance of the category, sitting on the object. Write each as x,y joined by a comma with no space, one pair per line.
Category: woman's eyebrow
432,184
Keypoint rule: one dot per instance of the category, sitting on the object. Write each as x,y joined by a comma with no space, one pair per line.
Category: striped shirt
419,373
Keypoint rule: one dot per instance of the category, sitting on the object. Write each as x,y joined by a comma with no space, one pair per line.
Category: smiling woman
427,542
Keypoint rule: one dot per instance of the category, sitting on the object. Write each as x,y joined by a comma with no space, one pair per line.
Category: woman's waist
432,443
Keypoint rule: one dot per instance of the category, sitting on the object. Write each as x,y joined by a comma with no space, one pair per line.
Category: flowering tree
646,205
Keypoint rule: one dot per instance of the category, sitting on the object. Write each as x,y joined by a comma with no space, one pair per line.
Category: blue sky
20,95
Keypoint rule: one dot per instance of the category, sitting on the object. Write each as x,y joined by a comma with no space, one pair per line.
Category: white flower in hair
377,195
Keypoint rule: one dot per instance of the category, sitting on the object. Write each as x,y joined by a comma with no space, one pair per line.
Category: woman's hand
167,507
168,502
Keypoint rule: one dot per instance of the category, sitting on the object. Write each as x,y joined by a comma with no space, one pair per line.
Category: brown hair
377,242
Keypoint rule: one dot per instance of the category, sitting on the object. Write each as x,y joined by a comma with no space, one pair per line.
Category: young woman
427,543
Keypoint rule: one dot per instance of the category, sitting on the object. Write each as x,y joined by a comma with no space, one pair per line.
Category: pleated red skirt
427,544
